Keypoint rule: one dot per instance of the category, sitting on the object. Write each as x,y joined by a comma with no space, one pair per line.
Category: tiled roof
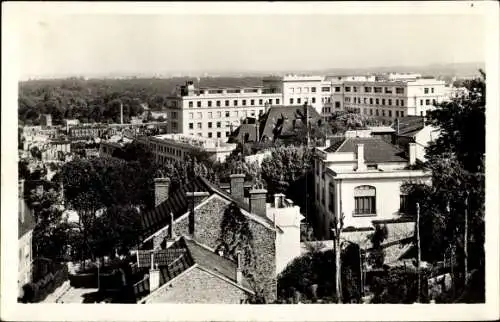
177,204
242,131
278,121
335,143
409,125
375,149
212,261
161,257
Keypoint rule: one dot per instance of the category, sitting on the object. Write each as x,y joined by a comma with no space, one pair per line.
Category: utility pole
418,252
466,237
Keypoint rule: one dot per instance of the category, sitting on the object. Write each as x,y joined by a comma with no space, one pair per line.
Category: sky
91,44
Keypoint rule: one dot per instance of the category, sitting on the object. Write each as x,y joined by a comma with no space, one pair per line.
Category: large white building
361,178
177,146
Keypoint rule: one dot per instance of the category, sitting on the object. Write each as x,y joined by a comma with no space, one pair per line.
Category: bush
38,291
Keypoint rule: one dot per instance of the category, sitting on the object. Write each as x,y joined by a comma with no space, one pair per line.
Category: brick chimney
193,199
162,187
360,157
258,200
237,182
412,153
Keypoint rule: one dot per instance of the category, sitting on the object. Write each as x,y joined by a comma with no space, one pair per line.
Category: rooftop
193,140
375,150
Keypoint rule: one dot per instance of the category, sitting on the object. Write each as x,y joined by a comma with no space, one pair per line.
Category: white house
361,179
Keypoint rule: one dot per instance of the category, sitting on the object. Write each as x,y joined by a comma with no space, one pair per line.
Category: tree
456,161
377,237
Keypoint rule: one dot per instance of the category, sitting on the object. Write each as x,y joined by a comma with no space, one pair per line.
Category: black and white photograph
263,158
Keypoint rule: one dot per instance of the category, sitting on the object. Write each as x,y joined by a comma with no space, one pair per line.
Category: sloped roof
244,129
376,150
409,125
212,261
161,257
278,121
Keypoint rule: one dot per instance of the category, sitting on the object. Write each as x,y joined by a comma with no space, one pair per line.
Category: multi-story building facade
211,112
361,179
26,224
388,98
178,146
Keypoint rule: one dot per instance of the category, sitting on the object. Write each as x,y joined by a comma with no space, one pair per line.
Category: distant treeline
98,100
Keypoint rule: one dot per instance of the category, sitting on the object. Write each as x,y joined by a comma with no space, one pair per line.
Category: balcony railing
364,212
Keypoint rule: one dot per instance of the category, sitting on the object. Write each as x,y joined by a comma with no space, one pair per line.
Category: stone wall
198,287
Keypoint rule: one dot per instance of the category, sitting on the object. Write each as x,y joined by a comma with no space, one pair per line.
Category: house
279,122
196,210
189,272
412,129
361,179
26,225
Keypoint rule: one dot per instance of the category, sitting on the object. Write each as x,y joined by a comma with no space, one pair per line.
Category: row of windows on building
376,112
210,125
364,200
306,90
227,103
371,101
211,134
300,101
330,109
218,114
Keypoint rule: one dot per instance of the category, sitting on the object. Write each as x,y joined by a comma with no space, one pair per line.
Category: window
371,112
252,102
209,125
432,90
217,103
383,101
377,89
426,91
209,115
389,101
277,101
226,103
422,102
402,113
191,115
244,102
209,134
388,90
313,89
383,112
337,104
198,104
174,125
364,201
377,101
397,113
270,102
427,102
347,88
218,134
390,113
371,101
376,112
218,125
228,124
368,89
191,126
364,100
260,102
404,204
400,90
199,125
209,103
227,114
434,102
291,101
298,100
402,103
190,104
313,99
337,89
235,102
228,134
397,102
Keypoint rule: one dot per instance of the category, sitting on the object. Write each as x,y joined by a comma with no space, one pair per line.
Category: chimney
360,156
193,199
327,143
162,187
278,200
171,227
258,200
412,152
239,273
237,181
154,275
